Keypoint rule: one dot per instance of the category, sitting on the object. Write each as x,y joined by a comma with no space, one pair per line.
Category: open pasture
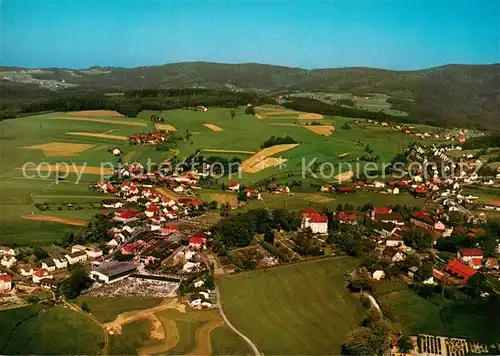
102,121
99,135
99,113
302,309
61,149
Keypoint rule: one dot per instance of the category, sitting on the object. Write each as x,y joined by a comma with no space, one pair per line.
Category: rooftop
112,268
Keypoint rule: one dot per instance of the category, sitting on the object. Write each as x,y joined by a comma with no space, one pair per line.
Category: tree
77,282
361,341
40,253
404,345
232,114
250,110
269,236
476,284
225,210
85,307
418,240
241,196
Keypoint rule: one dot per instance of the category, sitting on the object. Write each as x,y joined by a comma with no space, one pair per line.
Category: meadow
294,309
48,330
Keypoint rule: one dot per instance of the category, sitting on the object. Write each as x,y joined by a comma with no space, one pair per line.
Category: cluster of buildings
150,138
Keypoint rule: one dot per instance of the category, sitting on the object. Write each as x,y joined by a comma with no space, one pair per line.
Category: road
243,336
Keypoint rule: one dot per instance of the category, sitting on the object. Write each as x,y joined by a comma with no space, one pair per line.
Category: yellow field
106,113
284,124
265,163
98,135
61,148
259,157
310,116
72,169
213,127
165,127
266,113
104,121
228,151
56,219
346,176
325,130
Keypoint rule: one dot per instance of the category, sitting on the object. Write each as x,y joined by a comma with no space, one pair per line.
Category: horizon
308,35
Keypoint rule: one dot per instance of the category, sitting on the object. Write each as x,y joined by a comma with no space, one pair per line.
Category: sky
400,35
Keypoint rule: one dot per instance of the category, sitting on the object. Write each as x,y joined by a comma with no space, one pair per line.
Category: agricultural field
295,309
48,330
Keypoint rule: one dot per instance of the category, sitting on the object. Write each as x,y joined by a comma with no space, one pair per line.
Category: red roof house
318,219
346,217
344,189
459,269
381,210
5,277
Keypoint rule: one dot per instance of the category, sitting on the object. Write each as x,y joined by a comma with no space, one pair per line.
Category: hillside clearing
99,135
105,113
102,121
213,127
166,127
56,219
61,149
260,156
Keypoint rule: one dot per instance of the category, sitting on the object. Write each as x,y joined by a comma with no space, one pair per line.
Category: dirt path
170,340
202,337
56,219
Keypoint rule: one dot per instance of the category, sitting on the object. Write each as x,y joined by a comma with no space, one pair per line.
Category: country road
243,336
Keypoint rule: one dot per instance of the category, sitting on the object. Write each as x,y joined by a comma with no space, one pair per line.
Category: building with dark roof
112,271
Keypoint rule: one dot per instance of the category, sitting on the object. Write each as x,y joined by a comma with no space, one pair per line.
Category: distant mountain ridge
465,92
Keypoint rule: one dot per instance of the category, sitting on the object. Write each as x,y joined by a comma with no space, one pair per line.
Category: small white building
49,265
40,274
8,261
76,257
25,271
5,283
93,253
60,262
378,275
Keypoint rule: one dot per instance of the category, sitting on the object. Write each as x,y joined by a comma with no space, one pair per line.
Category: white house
112,203
76,257
378,275
60,262
316,222
234,186
5,283
40,274
198,284
77,248
49,265
25,270
393,255
93,252
8,261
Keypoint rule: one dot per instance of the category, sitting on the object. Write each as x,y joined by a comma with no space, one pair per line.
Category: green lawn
11,319
226,342
57,331
107,309
133,336
296,309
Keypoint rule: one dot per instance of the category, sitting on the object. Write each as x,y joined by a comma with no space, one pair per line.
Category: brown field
166,127
310,116
325,130
213,127
167,193
104,121
265,163
284,124
346,176
222,198
247,165
264,113
99,135
56,219
61,148
71,168
106,113
228,151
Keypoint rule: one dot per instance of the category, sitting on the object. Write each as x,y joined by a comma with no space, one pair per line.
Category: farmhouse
49,265
25,270
197,242
392,254
316,222
422,220
40,274
125,216
5,283
60,262
346,218
76,257
112,271
8,261
233,186
458,269
471,256
393,218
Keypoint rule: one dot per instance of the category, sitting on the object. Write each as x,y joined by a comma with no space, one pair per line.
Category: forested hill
464,93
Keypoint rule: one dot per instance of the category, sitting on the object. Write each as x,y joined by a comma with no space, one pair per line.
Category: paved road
243,336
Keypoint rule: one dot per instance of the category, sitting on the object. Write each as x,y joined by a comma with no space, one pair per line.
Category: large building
112,271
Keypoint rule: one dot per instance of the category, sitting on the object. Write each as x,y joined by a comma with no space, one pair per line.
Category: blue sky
309,34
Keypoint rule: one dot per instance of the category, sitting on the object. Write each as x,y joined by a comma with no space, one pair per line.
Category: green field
107,309
55,331
295,309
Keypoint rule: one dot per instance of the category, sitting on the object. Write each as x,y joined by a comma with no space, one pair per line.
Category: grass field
296,309
54,331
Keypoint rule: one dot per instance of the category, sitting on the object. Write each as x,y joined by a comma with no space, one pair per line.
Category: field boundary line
231,326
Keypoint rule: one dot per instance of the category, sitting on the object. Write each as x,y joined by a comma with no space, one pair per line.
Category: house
189,266
151,210
380,210
112,271
76,248
8,261
326,188
378,275
76,257
40,274
422,220
412,271
197,242
491,263
49,265
93,253
48,283
393,218
198,284
233,186
125,216
395,238
7,251
492,205
5,283
471,256
112,203
60,262
346,218
458,269
344,189
392,254
316,222
25,270
131,248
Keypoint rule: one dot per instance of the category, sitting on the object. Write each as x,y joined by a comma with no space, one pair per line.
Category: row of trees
277,140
